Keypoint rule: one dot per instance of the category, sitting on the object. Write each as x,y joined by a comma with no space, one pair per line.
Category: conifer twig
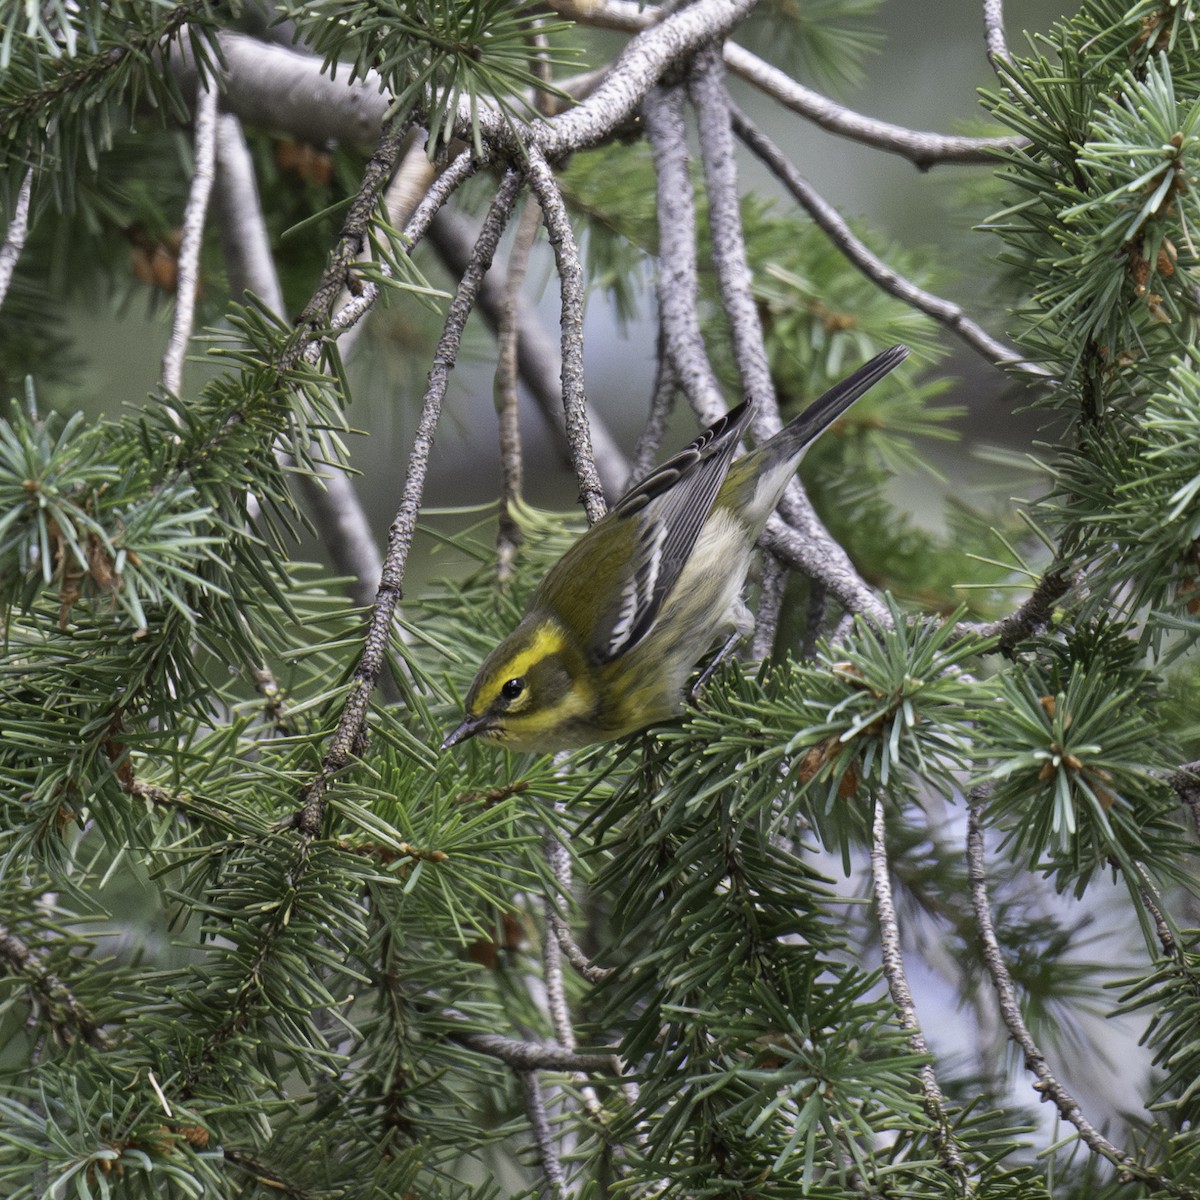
1010,1011
1186,782
55,995
795,535
993,31
15,234
570,274
662,402
1034,613
348,739
543,1136
770,604
538,359
333,502
559,859
923,149
508,538
318,315
945,312
718,157
531,1056
906,1009
195,212
679,322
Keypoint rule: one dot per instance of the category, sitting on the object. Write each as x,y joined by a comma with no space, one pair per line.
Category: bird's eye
512,689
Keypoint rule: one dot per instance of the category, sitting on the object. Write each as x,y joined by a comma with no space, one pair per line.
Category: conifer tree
258,937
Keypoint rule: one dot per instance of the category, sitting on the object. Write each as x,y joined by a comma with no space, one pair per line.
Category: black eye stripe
512,688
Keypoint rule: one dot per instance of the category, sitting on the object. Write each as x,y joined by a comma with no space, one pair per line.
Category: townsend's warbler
613,631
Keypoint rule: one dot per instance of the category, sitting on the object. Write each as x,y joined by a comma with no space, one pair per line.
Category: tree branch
902,998
993,32
679,321
54,994
349,737
1034,614
543,1136
1010,1012
333,502
570,273
15,234
538,357
188,281
923,150
869,263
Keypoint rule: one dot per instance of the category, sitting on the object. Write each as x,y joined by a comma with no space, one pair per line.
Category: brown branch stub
1032,616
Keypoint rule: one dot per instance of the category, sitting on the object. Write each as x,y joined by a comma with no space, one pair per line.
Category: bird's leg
731,644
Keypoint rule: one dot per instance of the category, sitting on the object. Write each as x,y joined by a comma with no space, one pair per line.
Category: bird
614,631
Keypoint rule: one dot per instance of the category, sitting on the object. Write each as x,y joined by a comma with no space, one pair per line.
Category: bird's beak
468,729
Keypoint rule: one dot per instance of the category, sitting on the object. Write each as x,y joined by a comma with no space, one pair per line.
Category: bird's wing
663,515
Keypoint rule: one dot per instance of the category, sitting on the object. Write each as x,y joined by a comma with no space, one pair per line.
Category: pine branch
993,29
15,234
677,286
870,264
924,150
349,739
538,357
1010,1010
543,1136
205,153
906,1009
66,1016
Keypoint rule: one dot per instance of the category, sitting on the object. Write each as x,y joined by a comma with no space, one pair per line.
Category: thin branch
574,952
559,859
718,157
662,403
274,87
868,262
543,1136
339,271
14,236
1034,614
797,538
65,1014
1186,782
922,149
1010,1012
993,32
538,358
334,503
679,320
352,311
570,273
906,1009
556,993
205,152
770,605
248,259
508,536
531,1056
349,738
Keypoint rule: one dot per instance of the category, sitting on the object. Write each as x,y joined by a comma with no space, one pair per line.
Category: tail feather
827,408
